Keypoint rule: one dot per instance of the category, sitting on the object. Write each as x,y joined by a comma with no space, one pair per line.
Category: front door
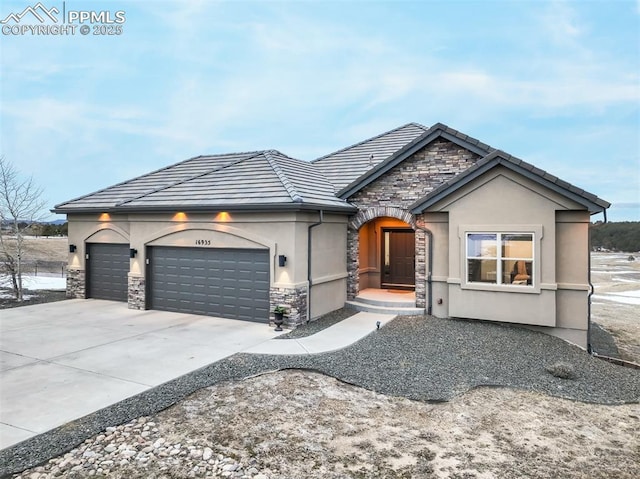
398,258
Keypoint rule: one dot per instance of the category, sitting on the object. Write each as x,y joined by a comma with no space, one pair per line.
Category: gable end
589,201
434,133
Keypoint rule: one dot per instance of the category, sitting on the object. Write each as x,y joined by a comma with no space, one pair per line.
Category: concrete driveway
61,361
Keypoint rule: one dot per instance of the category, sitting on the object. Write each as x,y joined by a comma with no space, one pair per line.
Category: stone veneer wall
76,284
293,298
136,298
393,193
421,269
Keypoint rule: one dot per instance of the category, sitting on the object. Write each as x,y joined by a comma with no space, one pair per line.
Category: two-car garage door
231,283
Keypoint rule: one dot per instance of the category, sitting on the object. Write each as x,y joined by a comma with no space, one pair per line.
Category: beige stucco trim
222,228
94,235
281,284
99,233
329,278
574,286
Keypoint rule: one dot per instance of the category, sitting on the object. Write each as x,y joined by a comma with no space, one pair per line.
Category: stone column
421,268
293,298
76,284
136,298
353,263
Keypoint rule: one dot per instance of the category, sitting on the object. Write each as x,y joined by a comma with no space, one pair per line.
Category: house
473,231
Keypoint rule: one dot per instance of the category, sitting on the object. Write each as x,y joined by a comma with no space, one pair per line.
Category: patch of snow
624,280
39,282
631,294
618,299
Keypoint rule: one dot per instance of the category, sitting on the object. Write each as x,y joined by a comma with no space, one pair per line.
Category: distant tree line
622,236
39,229
50,229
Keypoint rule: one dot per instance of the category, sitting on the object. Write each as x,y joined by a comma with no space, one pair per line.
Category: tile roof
142,185
254,180
497,157
344,166
269,180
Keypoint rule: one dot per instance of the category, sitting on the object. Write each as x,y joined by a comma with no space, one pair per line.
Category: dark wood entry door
398,258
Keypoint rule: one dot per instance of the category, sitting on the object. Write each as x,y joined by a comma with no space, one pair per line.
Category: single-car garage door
230,283
107,270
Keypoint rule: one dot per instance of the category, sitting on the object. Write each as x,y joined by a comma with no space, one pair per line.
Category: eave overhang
248,208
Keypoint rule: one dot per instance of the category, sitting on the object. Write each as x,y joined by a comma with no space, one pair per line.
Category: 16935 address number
203,242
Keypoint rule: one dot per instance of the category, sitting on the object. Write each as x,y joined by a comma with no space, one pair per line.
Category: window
500,258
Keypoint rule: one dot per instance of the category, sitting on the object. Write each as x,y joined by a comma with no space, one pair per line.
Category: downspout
591,289
428,268
309,279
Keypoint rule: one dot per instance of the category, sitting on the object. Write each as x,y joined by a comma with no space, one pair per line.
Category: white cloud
561,22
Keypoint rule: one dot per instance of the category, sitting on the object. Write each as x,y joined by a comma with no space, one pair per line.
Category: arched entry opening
386,255
379,256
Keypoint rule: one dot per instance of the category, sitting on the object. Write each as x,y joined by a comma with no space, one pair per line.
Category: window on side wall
500,259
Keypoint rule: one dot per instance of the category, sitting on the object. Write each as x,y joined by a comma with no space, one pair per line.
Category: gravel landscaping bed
415,357
319,324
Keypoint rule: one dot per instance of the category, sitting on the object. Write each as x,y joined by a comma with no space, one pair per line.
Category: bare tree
20,206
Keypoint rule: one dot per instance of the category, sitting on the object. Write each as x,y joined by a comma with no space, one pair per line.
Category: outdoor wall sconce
132,253
72,248
282,260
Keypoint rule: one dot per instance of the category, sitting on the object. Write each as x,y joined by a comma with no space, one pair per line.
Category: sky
555,83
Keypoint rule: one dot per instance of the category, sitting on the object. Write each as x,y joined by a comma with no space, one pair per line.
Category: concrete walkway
338,336
61,361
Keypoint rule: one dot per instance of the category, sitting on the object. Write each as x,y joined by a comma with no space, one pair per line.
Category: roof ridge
368,140
173,165
213,155
184,180
128,181
286,182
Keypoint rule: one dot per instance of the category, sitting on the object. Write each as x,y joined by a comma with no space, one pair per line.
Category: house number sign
203,242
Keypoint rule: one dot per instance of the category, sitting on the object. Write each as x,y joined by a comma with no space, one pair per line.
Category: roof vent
371,159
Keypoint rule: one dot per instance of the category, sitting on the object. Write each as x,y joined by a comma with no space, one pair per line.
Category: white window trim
535,230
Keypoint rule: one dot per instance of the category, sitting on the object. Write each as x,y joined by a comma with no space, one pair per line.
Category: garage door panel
218,282
107,271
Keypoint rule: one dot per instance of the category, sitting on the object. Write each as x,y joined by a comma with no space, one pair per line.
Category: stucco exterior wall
438,224
502,201
572,269
281,233
328,265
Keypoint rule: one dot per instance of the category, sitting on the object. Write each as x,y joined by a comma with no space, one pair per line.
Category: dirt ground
306,425
44,248
299,424
615,280
43,254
